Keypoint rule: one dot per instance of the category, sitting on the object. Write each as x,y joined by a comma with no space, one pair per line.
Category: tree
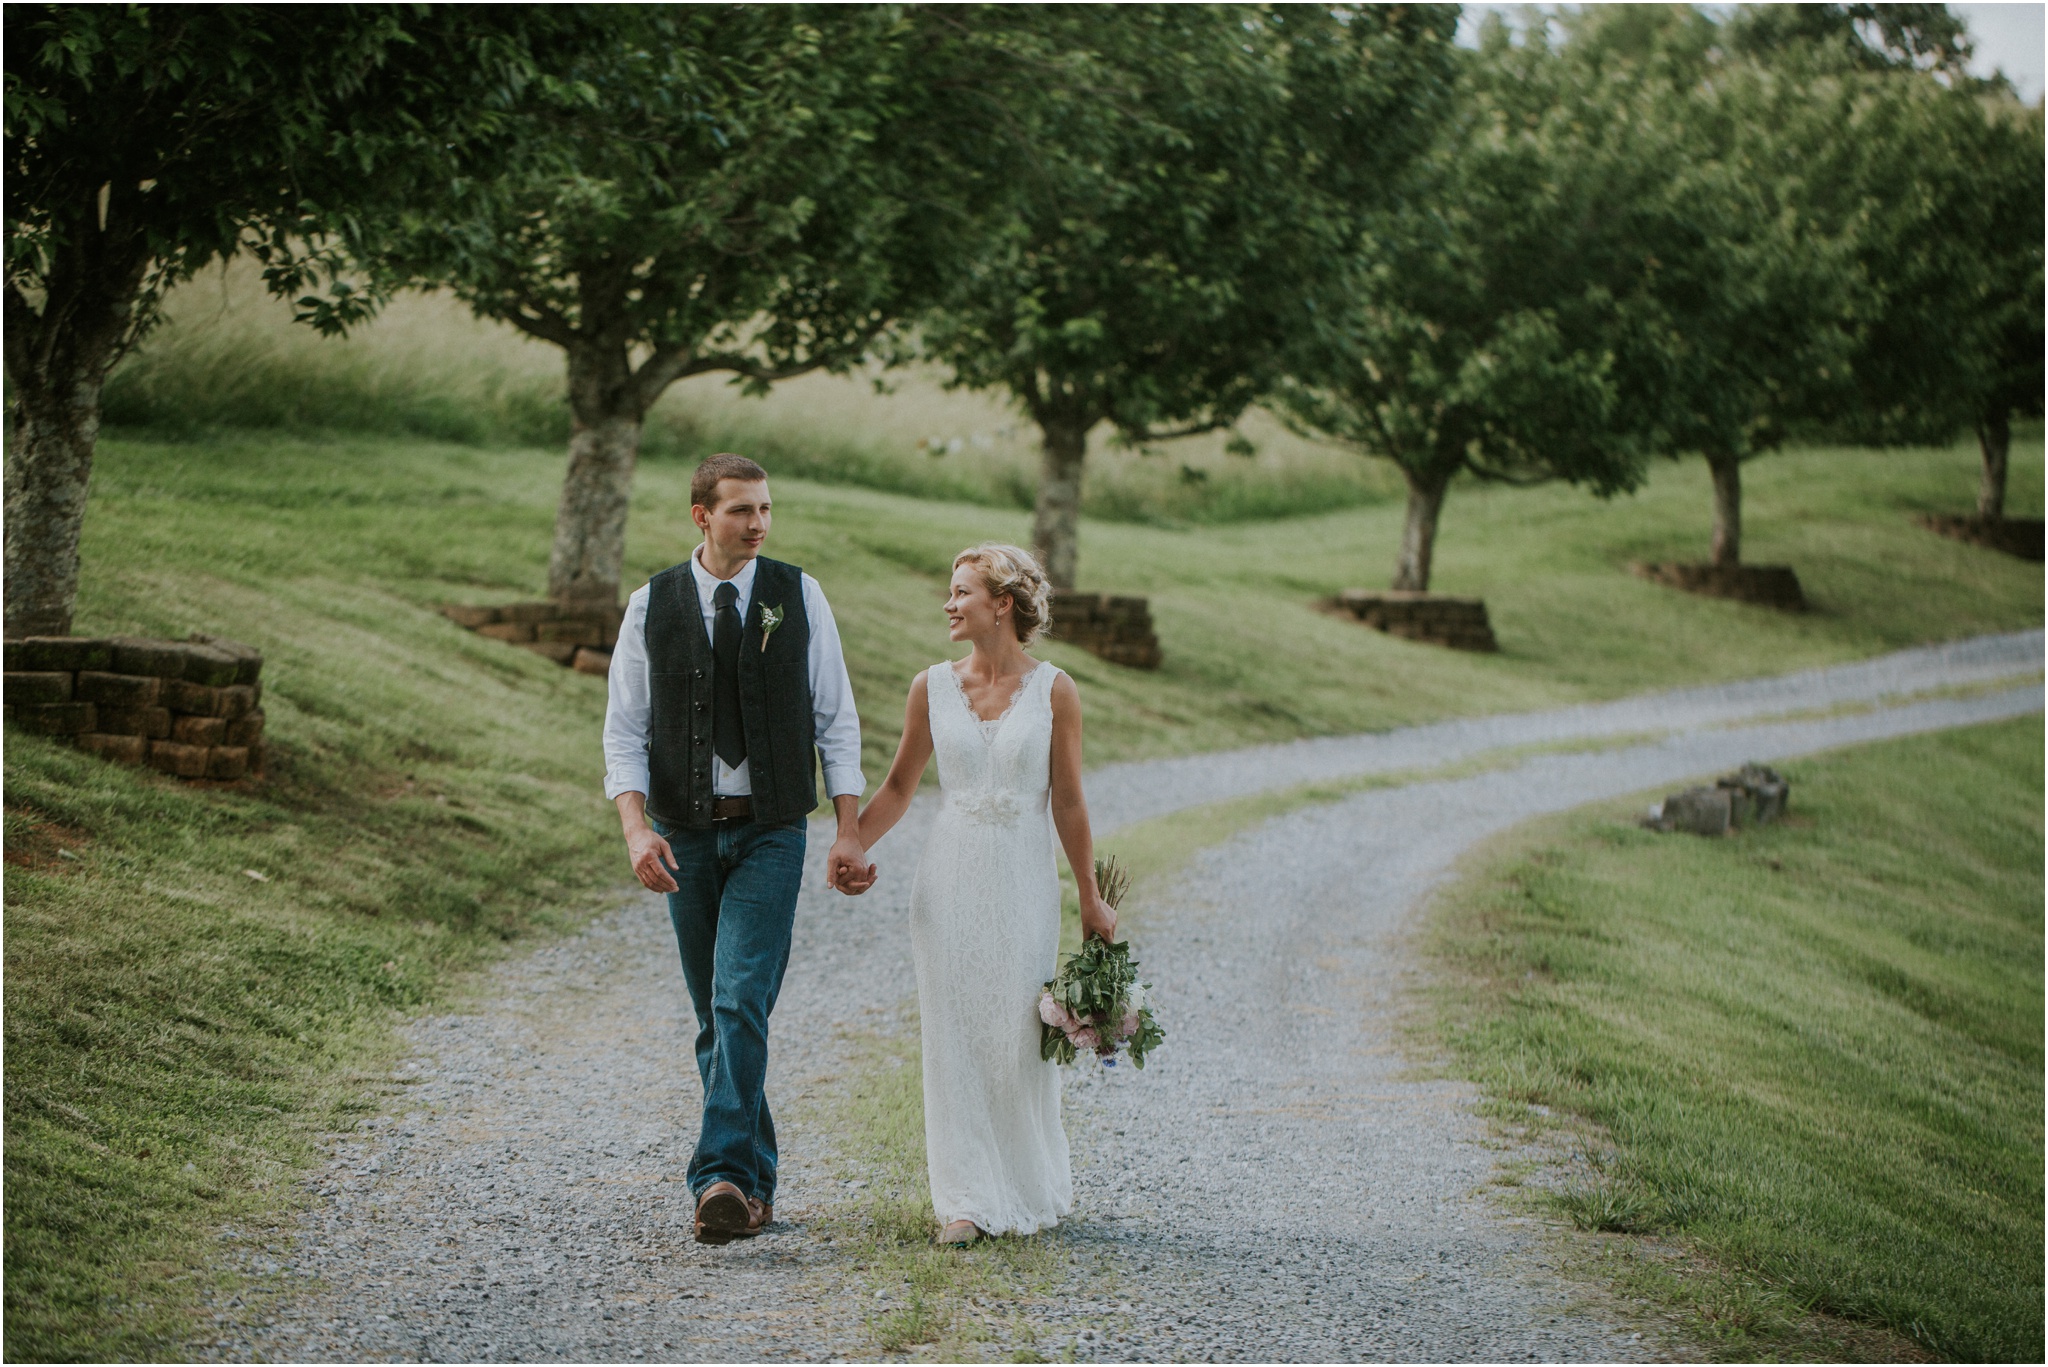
1756,288
2007,378
753,190
1886,205
1175,207
145,141
1478,324
1861,37
1947,183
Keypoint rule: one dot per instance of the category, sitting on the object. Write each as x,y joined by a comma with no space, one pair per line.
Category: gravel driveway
1275,1186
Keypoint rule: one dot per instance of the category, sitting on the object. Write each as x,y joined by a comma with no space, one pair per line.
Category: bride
985,906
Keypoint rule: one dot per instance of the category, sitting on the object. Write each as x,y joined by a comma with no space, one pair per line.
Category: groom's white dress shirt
626,714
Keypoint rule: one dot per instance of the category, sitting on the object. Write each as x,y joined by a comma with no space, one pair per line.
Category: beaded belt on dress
987,808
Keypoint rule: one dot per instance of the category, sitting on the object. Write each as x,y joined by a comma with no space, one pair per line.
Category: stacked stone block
1754,795
1432,618
579,635
1771,586
2020,536
191,708
1117,629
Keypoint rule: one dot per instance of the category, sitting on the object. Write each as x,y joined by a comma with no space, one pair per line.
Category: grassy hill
179,1032
1811,1053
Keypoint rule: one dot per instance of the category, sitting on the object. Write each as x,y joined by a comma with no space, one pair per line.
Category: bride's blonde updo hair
1013,570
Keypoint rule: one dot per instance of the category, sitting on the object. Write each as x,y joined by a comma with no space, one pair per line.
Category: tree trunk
58,357
1994,439
1055,524
1727,471
589,552
1418,533
51,433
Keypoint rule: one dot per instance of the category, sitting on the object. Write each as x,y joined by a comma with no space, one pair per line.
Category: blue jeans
734,909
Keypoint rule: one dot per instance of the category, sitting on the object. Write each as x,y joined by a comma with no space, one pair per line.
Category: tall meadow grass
229,356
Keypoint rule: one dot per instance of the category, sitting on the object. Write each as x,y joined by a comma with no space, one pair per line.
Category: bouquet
1096,1002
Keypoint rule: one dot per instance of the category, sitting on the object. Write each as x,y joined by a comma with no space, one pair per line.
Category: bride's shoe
959,1234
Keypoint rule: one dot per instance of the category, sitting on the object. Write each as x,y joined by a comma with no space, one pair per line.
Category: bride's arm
1070,809
913,752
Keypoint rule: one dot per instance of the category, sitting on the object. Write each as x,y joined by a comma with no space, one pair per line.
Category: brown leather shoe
723,1214
759,1215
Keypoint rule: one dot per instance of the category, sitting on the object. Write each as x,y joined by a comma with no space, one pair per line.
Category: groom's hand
652,860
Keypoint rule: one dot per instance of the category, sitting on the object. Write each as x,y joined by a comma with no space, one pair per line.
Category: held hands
847,867
652,860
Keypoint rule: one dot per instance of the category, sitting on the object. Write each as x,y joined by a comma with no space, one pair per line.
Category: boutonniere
771,618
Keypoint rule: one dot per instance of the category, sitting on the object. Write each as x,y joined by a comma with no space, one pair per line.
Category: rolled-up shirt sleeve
627,711
837,723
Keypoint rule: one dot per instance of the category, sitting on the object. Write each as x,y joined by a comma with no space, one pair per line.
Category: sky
2008,38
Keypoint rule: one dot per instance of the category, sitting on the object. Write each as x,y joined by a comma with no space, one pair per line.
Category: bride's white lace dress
985,927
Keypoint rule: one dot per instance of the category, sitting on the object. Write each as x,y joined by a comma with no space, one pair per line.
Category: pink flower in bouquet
1085,1038
1129,1027
1052,1013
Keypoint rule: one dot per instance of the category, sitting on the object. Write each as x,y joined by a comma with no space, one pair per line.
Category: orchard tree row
1637,233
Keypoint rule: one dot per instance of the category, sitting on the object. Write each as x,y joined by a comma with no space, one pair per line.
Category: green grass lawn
435,795
1811,1054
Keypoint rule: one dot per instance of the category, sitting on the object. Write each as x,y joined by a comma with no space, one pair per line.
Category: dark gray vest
775,699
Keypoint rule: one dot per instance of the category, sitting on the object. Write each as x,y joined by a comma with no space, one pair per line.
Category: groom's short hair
724,465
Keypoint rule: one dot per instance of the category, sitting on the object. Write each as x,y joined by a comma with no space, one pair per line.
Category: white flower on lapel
771,618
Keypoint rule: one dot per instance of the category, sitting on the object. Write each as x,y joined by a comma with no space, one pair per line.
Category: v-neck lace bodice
985,928
1008,760
990,725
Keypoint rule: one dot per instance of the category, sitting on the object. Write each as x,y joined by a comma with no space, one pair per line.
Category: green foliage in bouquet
1096,1001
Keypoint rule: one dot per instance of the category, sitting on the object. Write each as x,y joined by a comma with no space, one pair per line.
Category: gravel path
1274,1186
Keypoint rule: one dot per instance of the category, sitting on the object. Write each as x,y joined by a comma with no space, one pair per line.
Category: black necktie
728,736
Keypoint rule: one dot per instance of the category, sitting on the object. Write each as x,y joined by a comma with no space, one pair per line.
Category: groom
726,680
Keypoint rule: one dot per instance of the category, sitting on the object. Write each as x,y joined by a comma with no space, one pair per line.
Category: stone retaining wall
2019,536
1117,629
579,635
191,708
1432,618
1771,586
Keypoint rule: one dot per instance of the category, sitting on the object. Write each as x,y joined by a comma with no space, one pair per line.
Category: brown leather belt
732,809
